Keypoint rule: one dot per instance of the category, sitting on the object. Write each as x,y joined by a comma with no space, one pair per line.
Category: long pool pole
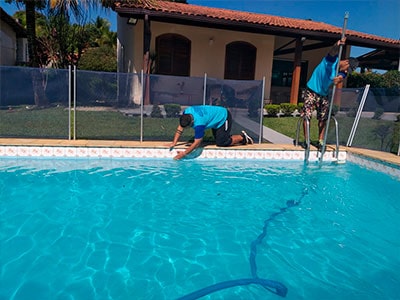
346,17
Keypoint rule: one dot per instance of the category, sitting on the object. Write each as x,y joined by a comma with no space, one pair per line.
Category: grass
22,122
371,133
25,122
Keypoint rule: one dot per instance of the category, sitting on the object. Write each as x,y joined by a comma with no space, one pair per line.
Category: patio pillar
146,58
294,91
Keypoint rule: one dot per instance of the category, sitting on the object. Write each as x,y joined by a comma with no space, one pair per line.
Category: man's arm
335,49
194,145
177,135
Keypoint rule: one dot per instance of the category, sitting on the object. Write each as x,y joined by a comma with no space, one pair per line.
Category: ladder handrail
307,140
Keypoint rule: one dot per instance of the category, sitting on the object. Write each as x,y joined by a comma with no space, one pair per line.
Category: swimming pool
161,229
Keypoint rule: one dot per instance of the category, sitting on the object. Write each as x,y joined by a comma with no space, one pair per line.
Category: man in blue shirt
316,95
204,117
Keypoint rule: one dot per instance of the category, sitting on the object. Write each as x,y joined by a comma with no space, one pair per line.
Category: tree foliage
99,59
63,34
390,79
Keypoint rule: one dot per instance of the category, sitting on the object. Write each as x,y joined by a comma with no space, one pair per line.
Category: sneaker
246,138
303,145
320,145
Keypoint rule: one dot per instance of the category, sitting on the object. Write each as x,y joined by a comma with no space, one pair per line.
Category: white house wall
8,45
130,54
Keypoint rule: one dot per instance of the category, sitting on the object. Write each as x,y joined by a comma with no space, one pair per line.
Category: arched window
240,61
173,55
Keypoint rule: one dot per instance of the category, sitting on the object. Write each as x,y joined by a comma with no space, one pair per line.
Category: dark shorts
223,134
315,101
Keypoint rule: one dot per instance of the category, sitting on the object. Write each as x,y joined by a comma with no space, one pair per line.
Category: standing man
316,95
203,117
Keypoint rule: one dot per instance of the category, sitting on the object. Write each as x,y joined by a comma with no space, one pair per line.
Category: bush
287,109
378,113
300,106
99,59
335,109
396,137
156,112
272,109
351,113
390,79
172,110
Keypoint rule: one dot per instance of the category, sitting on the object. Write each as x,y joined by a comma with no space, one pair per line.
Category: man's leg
309,105
322,115
237,139
321,130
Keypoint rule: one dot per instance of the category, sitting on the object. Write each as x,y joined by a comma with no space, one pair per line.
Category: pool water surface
163,229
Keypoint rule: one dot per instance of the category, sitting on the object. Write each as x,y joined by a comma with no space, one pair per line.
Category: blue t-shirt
322,77
205,117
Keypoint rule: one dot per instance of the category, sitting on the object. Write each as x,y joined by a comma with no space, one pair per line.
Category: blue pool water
162,229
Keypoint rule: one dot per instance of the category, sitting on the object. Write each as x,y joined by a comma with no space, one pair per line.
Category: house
190,40
13,41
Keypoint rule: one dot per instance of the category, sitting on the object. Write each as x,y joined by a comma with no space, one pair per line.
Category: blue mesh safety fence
34,103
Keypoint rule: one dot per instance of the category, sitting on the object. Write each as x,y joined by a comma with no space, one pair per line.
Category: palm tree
63,7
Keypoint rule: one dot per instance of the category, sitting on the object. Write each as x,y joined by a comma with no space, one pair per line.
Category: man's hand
342,41
179,155
335,49
337,80
170,145
196,143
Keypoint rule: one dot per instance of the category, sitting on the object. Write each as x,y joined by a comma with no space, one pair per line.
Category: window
282,72
240,61
173,55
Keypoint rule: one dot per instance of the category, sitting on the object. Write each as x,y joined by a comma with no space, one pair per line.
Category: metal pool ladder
307,148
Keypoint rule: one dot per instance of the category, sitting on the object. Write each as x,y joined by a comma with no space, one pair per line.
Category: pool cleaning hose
273,286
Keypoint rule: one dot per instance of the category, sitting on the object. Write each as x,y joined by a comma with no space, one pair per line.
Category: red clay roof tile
176,8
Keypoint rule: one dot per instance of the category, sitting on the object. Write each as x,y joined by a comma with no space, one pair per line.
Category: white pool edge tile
120,152
125,152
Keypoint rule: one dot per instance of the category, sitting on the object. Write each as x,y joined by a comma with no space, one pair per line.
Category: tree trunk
31,32
37,78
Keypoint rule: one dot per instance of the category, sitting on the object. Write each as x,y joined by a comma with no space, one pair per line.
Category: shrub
156,112
287,109
351,113
335,109
300,106
395,137
172,110
390,79
272,109
378,113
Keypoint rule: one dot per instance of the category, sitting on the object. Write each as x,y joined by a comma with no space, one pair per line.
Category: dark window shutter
240,61
173,55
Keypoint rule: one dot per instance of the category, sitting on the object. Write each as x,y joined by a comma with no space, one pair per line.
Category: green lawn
371,133
22,122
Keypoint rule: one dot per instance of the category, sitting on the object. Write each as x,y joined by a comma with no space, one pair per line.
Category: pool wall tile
374,164
119,152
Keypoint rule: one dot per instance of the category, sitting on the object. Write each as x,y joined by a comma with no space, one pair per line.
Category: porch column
146,58
294,91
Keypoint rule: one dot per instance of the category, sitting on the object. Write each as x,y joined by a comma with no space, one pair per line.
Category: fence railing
77,104
377,119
